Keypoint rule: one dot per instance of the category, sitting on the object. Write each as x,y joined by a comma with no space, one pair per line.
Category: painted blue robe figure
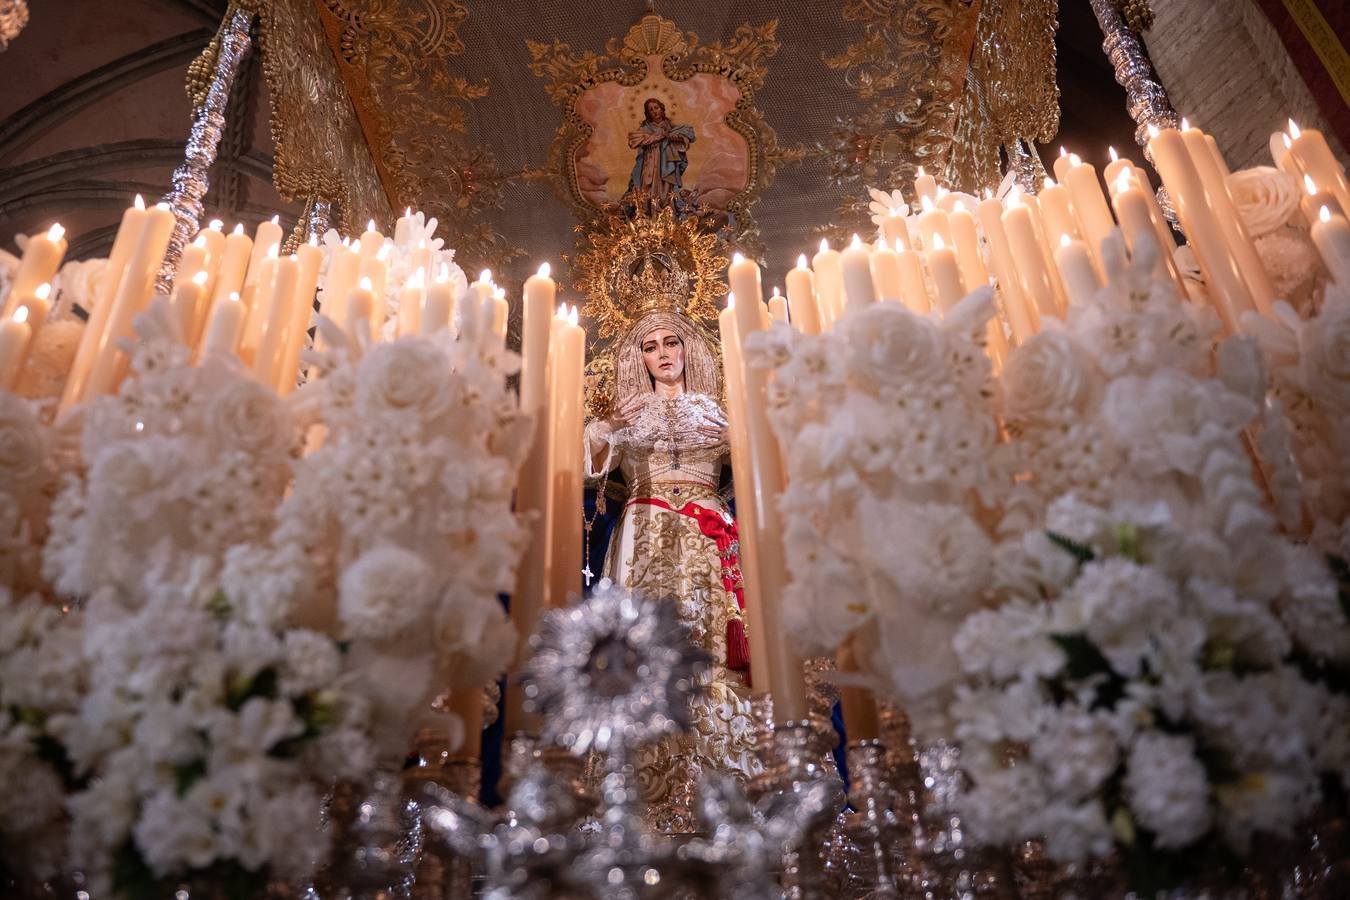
662,154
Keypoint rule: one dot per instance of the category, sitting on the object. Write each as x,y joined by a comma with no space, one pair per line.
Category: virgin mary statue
675,538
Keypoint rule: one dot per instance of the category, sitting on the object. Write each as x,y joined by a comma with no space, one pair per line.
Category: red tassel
738,648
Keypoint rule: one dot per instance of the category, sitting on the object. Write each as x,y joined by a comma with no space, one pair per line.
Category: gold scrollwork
316,156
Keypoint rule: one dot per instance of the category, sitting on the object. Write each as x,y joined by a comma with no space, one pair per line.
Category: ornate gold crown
633,265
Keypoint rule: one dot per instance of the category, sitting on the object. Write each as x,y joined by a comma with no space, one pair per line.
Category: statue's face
663,352
655,111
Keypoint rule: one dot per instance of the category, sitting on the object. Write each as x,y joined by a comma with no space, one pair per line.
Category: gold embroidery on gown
661,553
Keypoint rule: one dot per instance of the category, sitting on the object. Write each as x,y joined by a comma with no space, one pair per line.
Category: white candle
376,269
1280,144
403,228
440,303
343,266
1057,212
1331,235
501,310
222,332
410,299
1315,199
266,242
1309,149
1234,232
801,291
1075,267
1021,314
371,241
278,304
566,446
1089,207
967,245
256,295
238,248
946,274
360,302
213,235
933,222
128,236
856,263
1111,174
132,296
1223,276
302,310
778,308
913,288
895,229
925,186
886,272
41,258
38,306
15,333
828,268
1062,165
186,298
1029,256
1136,223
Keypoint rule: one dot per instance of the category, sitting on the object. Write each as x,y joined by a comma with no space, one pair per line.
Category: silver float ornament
611,674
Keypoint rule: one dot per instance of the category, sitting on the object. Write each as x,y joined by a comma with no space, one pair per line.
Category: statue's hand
627,412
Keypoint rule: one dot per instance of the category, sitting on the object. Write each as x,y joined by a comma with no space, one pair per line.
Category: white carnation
309,661
1124,606
1074,832
1012,641
1167,789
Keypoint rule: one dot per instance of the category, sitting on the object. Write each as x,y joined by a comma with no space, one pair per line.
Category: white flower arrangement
251,624
887,427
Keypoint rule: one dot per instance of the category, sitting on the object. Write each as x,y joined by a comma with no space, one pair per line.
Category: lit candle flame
1309,185
200,241
1294,130
1288,141
200,278
544,270
407,212
370,226
573,315
55,233
731,300
164,206
234,296
856,243
418,278
927,203
21,315
273,251
366,284
216,225
239,229
894,213
1064,240
485,276
824,245
938,243
1153,131
922,172
499,293
1062,151
356,246
899,246
1324,214
775,293
801,262
276,220
961,205
1015,197
444,274
989,193
1075,160
383,253
140,202
1049,183
737,258
1115,157
43,291
1123,182
313,240
942,192
1185,124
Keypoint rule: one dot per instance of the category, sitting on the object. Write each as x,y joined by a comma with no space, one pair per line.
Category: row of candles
1046,255
237,295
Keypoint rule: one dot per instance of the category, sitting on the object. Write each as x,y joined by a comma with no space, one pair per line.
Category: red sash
722,529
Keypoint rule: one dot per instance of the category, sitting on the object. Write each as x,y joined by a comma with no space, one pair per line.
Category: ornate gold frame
743,61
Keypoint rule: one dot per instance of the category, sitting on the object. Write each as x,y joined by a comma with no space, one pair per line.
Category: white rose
888,344
1325,360
386,592
409,377
1047,379
248,416
1265,198
23,447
